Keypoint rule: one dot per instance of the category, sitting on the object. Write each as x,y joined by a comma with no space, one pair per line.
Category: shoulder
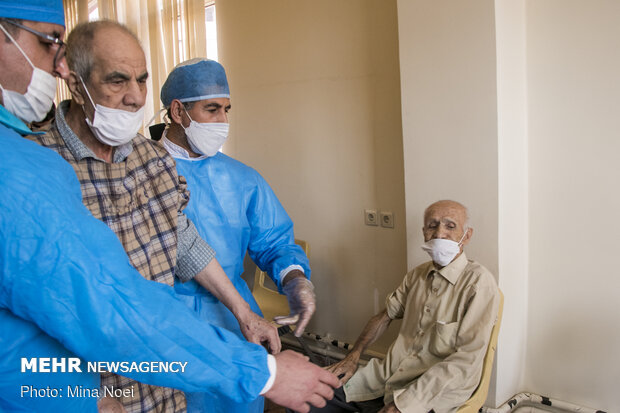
238,168
148,145
478,275
152,155
418,272
233,163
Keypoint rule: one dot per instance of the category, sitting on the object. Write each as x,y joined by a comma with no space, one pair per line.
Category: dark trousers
339,405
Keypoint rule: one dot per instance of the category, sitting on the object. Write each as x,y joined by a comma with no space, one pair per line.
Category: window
211,30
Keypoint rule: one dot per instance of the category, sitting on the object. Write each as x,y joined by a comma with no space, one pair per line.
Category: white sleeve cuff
287,270
271,364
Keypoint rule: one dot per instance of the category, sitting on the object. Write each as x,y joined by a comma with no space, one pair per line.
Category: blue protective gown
67,289
235,211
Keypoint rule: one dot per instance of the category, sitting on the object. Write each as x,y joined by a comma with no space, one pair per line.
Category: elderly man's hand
258,330
390,408
345,368
299,383
299,292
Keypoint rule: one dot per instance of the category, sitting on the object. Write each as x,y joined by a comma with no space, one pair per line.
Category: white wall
315,94
513,196
574,120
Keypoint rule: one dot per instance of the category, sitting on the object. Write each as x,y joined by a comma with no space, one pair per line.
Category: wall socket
387,219
371,217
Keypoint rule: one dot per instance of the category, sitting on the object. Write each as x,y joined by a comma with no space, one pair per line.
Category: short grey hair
79,54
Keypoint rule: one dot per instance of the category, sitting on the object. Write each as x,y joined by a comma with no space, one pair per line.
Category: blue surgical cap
46,11
195,79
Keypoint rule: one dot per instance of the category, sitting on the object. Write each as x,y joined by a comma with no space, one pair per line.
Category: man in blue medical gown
67,288
232,206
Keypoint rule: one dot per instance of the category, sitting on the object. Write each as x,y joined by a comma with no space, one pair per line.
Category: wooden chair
270,301
479,396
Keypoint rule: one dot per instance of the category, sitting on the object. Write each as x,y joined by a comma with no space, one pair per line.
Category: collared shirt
112,191
436,360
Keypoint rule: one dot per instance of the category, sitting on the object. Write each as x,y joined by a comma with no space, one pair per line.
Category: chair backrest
479,396
271,302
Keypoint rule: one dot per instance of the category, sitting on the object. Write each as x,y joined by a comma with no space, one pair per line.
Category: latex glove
299,292
259,331
345,368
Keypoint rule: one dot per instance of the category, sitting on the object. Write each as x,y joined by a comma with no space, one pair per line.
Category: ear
470,232
176,111
76,88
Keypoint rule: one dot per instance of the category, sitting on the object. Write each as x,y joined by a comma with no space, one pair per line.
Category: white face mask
443,251
205,138
111,126
39,97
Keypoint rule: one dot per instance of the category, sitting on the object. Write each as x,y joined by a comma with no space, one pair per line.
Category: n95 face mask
111,126
39,97
443,251
206,138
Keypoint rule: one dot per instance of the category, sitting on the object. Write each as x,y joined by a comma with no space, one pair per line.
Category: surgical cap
46,11
195,79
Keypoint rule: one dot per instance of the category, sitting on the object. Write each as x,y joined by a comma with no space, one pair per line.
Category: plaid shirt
140,197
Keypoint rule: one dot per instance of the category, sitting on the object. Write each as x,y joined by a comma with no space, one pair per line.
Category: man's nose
135,95
61,69
441,232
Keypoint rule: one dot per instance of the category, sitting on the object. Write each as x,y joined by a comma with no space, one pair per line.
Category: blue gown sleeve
65,274
272,241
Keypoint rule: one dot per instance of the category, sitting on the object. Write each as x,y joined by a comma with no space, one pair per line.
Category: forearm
374,329
214,279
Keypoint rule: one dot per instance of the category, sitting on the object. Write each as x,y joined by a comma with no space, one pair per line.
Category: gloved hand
299,292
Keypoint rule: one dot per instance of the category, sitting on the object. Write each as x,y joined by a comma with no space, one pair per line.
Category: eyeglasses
60,53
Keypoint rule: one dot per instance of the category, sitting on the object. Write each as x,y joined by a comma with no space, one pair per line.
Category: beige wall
316,110
574,120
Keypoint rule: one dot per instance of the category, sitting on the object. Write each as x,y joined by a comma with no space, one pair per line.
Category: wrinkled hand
299,383
390,408
258,330
301,301
345,367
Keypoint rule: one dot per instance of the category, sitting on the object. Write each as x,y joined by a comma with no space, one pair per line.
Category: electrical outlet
387,219
371,217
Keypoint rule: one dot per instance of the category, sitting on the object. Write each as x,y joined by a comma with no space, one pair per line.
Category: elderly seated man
448,306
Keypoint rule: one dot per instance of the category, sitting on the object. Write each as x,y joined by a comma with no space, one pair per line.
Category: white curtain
170,31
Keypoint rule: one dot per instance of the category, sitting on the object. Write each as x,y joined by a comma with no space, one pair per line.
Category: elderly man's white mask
443,251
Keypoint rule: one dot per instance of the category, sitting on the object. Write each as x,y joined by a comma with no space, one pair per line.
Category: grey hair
79,54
